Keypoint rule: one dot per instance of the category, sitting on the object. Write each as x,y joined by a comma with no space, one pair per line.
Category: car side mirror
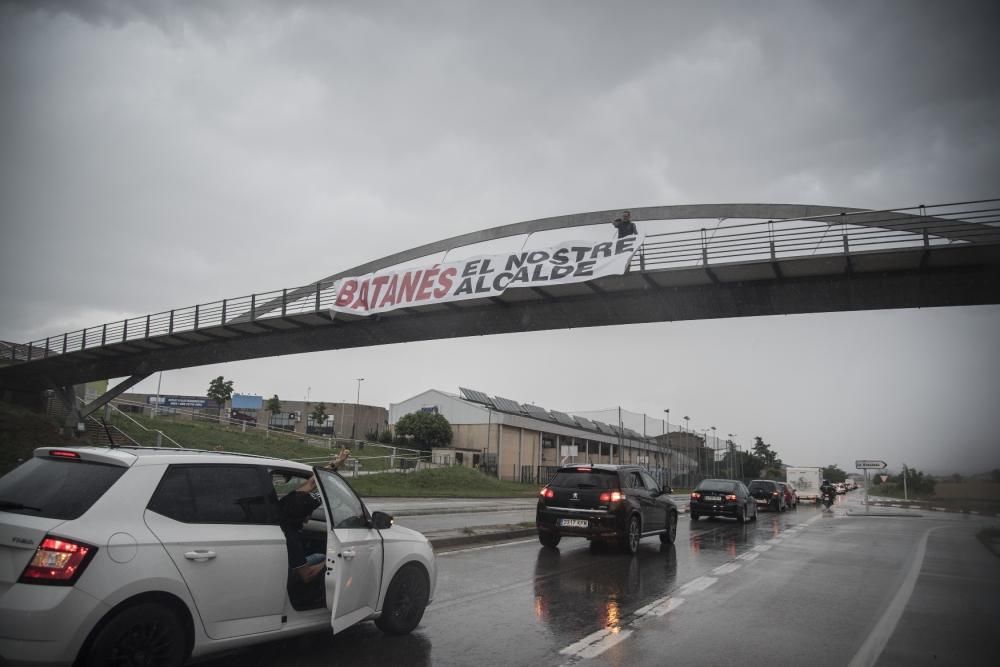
381,520
667,490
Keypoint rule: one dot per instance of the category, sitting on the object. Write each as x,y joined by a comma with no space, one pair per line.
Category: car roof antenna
111,439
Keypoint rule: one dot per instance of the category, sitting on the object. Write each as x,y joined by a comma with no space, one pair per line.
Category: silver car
111,554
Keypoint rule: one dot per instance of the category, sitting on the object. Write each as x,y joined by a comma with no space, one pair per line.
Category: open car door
353,553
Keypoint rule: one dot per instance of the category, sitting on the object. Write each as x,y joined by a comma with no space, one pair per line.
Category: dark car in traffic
605,503
723,497
768,495
791,497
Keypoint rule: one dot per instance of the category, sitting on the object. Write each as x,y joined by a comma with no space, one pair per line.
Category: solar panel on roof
604,428
585,423
536,411
632,434
562,418
475,396
507,405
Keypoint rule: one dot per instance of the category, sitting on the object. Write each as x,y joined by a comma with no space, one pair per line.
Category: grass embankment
453,482
21,431
966,496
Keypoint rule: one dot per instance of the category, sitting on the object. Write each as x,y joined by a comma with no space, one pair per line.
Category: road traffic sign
876,465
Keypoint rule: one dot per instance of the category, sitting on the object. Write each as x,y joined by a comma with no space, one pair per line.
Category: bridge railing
783,239
920,226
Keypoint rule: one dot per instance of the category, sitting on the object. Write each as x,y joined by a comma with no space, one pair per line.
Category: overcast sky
160,154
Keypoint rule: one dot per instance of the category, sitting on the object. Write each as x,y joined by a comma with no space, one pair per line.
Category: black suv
768,495
620,503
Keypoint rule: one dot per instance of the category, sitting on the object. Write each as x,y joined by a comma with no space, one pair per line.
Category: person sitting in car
295,509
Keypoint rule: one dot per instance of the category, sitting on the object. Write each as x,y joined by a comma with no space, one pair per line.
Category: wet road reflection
522,603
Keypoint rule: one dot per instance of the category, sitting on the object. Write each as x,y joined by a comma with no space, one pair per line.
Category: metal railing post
170,329
65,341
147,326
83,340
197,312
770,237
224,301
104,335
704,247
284,301
28,358
46,355
124,330
317,294
253,307
847,249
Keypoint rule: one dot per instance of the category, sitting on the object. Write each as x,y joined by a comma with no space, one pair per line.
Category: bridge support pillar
76,413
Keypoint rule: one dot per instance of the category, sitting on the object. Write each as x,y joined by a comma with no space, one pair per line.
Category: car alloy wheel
143,634
670,535
630,541
405,601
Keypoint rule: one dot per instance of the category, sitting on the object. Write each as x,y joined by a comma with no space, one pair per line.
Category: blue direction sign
869,465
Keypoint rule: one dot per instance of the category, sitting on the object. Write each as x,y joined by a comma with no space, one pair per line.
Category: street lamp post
715,443
357,406
666,432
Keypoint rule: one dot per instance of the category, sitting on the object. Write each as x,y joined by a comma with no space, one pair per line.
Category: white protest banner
484,276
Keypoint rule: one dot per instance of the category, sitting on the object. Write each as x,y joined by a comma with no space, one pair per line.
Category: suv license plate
573,523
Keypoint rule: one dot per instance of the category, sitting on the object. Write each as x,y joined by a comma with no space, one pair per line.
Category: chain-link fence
677,454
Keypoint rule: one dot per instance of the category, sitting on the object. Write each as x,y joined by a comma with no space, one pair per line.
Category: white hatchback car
151,556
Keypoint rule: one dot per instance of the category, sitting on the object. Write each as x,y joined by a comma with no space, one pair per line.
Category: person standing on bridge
624,225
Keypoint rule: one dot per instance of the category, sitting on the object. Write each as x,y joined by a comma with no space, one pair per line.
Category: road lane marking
761,548
726,569
488,546
600,647
750,555
873,646
699,584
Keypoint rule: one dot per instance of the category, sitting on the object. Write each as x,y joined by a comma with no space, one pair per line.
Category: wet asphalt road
803,588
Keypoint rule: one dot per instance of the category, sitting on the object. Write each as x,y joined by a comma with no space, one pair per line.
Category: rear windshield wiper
8,505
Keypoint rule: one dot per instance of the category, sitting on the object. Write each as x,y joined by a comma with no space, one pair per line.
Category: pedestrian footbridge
694,262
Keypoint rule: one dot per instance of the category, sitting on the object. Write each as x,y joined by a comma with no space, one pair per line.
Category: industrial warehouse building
525,442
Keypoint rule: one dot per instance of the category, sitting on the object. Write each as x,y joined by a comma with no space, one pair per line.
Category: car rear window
56,489
717,486
758,484
585,479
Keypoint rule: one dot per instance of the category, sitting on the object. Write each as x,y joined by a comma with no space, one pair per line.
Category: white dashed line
750,555
489,546
596,643
726,569
761,548
699,584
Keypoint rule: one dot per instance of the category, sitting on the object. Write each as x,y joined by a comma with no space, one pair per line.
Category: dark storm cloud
160,154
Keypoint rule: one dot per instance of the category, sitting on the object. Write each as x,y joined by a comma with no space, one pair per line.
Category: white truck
806,481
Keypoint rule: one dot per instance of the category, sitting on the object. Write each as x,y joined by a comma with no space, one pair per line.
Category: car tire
695,516
670,535
754,517
405,601
549,538
741,516
146,633
633,533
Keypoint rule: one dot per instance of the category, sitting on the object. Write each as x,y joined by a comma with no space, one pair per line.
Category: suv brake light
547,493
731,496
57,562
695,495
611,496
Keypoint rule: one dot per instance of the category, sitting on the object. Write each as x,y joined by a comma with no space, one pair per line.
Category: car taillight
774,493
547,493
695,495
64,454
611,496
57,562
731,496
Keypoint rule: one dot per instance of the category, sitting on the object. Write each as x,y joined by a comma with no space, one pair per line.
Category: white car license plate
573,523
713,498
761,502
